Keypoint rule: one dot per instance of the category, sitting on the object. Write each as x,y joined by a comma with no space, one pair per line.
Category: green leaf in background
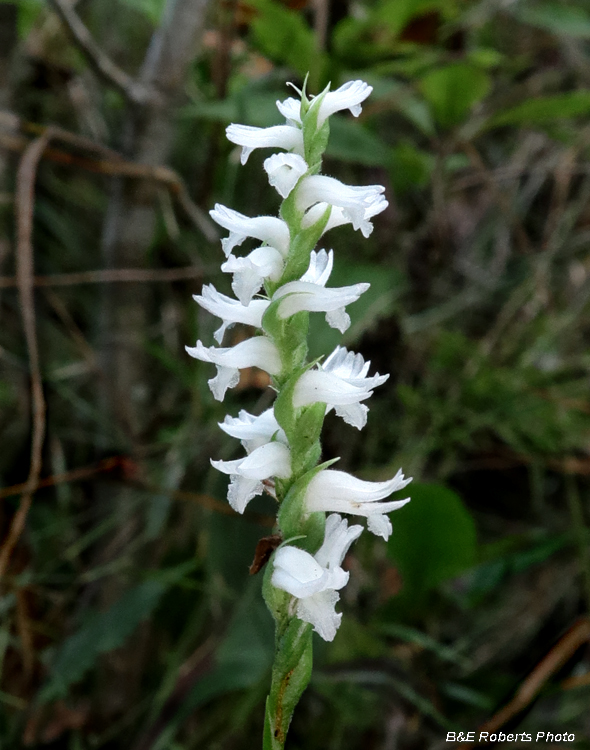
102,632
453,90
556,18
350,141
411,167
397,13
152,9
544,109
285,37
433,539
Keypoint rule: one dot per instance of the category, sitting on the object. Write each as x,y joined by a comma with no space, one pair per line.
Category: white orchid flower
315,579
254,431
338,216
331,490
267,229
230,310
278,136
291,111
349,96
251,271
353,200
247,474
258,351
297,296
341,382
284,171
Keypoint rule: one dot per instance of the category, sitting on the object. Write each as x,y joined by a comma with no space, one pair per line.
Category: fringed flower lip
316,579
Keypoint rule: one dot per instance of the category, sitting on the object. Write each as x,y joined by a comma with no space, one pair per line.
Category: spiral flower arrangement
277,286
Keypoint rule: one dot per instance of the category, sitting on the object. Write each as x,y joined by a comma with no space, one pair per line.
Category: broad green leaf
557,18
285,37
102,632
544,109
433,538
411,167
453,90
350,141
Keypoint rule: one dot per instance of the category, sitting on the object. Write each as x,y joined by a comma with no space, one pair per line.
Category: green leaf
351,142
151,9
433,538
453,90
544,109
411,167
284,36
556,18
102,632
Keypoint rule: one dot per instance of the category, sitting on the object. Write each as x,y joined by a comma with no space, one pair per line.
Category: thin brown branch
110,276
108,464
24,206
114,165
575,637
99,60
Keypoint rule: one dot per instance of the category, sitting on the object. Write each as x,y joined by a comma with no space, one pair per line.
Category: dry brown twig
111,164
563,650
99,60
24,206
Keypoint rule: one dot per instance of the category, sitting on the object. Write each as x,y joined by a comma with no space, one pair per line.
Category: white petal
267,229
331,490
353,414
338,319
352,368
320,267
319,386
338,216
379,525
297,572
250,272
354,200
277,136
253,431
230,310
303,295
284,171
319,611
337,540
227,377
241,490
291,110
349,96
269,460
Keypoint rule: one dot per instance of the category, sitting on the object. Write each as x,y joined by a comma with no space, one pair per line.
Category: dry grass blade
24,206
575,637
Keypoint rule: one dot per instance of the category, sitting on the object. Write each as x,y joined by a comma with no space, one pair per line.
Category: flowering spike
282,444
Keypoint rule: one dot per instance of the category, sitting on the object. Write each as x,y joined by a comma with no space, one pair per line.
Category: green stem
290,674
